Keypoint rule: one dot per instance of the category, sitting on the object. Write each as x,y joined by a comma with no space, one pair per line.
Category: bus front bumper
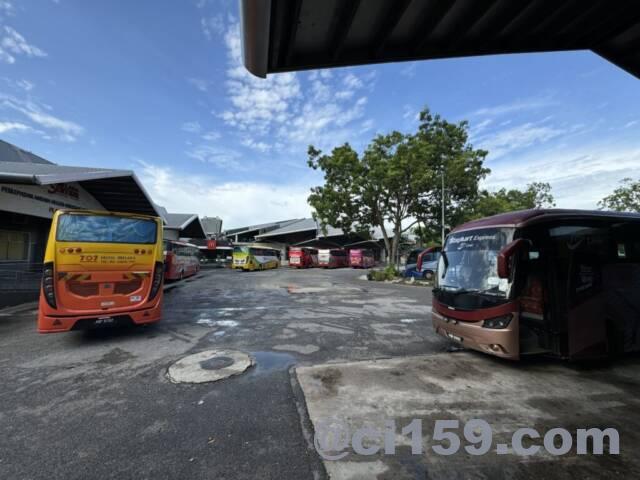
502,343
55,324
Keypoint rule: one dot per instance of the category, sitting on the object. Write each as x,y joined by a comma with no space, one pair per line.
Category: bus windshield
470,262
240,249
105,229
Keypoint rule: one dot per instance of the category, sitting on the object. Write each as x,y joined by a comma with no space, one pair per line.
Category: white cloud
6,8
237,203
409,70
580,176
476,129
352,82
631,123
25,85
64,130
506,141
515,106
200,83
291,110
221,157
410,113
212,26
260,146
13,44
211,136
191,127
13,126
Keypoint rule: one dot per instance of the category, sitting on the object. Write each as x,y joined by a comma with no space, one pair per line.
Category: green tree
623,199
396,182
536,195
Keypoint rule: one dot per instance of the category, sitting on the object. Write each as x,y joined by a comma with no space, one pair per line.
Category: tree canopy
625,198
396,182
536,195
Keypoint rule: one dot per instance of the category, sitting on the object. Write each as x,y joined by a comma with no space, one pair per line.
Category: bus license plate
454,337
105,321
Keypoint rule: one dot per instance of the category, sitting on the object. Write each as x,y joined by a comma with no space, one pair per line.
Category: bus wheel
428,275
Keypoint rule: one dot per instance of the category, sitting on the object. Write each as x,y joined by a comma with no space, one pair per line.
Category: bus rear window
105,229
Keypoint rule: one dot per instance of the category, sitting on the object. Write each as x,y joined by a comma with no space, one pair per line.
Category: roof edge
255,22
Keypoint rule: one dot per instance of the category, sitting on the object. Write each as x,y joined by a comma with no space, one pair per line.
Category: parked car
422,263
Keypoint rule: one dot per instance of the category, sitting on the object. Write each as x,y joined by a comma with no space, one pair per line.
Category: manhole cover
209,366
216,363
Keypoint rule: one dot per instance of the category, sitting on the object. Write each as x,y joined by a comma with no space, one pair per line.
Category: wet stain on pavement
116,356
270,361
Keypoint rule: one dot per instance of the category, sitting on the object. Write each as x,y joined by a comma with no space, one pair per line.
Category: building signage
43,200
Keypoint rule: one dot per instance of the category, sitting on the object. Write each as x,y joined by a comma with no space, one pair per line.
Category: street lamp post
442,220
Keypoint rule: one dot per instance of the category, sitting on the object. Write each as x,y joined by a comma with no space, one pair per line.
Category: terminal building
32,189
305,232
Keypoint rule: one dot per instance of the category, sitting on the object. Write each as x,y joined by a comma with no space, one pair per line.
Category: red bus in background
303,257
181,260
333,258
360,258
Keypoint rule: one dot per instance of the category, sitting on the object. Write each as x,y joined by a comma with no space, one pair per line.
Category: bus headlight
47,285
158,275
498,322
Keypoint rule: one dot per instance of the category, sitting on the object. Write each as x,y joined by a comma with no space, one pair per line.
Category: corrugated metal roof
188,223
212,225
179,220
289,35
308,224
261,226
48,173
116,190
11,153
303,225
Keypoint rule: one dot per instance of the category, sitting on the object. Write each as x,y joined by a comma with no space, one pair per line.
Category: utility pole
442,221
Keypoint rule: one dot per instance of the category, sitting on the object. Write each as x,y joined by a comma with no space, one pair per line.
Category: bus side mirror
506,254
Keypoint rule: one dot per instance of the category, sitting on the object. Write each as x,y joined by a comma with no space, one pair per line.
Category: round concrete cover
209,366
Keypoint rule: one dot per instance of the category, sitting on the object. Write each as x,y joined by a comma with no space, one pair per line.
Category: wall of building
23,239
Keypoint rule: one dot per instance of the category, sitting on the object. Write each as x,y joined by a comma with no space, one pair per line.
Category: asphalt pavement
99,405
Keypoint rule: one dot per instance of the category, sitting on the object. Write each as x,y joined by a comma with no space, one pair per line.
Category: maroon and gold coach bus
558,282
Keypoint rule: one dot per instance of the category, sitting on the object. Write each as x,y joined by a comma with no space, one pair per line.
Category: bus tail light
156,283
48,284
498,322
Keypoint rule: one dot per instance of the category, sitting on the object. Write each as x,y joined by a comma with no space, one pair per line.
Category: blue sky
158,87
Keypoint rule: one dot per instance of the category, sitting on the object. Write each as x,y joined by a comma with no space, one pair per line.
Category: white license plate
105,321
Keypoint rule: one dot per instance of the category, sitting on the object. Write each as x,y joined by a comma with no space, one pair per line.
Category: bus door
579,253
621,284
533,271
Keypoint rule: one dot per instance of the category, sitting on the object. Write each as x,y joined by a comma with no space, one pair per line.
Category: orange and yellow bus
101,268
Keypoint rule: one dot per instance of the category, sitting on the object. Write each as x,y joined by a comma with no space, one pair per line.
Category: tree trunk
387,244
395,246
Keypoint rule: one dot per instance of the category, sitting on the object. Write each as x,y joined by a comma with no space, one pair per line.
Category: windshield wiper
476,291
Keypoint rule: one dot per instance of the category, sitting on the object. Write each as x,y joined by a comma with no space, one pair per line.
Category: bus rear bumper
56,324
502,343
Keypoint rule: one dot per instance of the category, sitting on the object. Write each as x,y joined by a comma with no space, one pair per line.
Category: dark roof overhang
291,35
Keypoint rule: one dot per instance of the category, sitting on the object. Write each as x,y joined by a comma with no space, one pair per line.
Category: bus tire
428,275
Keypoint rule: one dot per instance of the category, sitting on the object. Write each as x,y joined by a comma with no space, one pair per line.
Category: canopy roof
116,190
288,35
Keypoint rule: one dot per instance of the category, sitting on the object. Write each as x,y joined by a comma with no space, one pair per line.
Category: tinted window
105,229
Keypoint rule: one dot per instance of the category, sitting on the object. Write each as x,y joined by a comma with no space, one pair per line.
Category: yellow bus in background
255,258
101,268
